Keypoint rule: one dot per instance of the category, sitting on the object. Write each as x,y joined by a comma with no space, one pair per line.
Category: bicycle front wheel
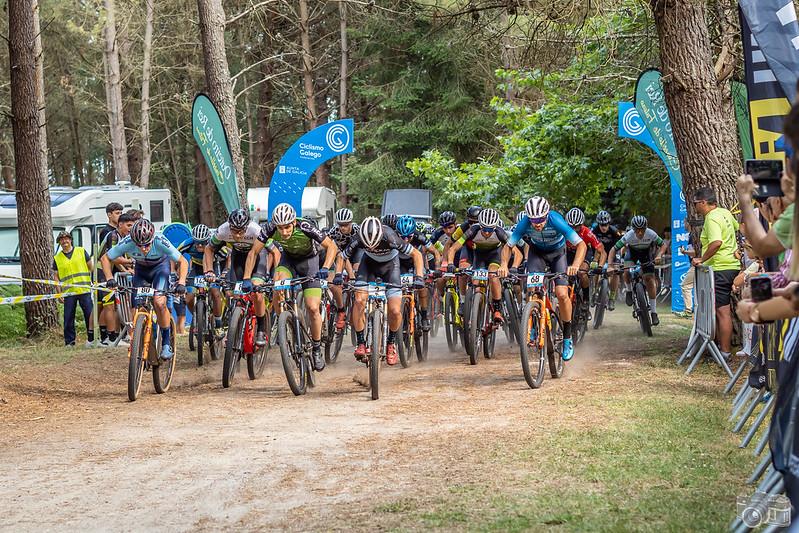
420,340
293,360
579,321
257,360
199,323
512,313
475,327
555,345
163,372
643,309
376,357
531,352
137,361
405,339
436,312
450,328
233,346
601,303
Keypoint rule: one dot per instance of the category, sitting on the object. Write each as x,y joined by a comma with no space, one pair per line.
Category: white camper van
318,203
80,212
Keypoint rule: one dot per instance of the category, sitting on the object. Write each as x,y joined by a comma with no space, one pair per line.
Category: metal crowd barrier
124,309
704,330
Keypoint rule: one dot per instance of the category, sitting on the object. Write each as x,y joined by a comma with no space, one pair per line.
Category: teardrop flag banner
304,157
212,139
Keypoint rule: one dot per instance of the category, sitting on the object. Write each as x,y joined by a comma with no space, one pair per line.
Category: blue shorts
156,276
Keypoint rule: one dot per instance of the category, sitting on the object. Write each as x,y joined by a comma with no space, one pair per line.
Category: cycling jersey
607,238
480,242
417,240
160,250
389,247
341,240
223,236
189,248
461,229
300,243
553,236
588,238
633,242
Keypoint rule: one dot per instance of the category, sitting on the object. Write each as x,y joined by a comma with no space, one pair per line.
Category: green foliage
13,324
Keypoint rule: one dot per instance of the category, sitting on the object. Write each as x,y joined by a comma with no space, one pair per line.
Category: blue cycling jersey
187,247
160,249
554,235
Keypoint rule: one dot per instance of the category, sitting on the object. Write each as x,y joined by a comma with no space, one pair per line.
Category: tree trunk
508,55
144,181
33,198
37,32
173,163
307,74
704,131
6,164
113,89
205,199
220,88
264,161
342,99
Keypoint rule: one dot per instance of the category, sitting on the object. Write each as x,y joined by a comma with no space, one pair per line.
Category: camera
760,287
762,508
766,173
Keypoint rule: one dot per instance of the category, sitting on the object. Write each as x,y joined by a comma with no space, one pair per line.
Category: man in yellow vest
73,265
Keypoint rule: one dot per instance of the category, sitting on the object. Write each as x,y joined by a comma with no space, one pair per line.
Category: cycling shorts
464,255
640,256
301,267
571,252
486,259
239,259
386,271
538,260
157,276
179,305
407,266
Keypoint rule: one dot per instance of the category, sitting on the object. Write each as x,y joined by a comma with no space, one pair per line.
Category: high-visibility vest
74,270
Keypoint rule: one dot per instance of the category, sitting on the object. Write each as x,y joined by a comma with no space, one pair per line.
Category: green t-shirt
721,226
783,228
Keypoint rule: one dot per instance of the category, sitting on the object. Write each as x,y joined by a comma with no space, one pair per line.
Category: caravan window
156,210
9,244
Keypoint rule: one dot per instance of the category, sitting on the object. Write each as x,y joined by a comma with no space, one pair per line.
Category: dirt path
255,457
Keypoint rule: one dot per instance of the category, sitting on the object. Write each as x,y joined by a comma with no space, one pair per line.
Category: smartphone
766,173
761,288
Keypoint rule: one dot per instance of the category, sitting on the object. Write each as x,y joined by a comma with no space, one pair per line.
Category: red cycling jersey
588,238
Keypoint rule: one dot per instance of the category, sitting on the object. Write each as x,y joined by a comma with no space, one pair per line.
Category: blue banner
632,126
304,157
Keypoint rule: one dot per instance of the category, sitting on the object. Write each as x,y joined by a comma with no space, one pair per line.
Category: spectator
73,265
137,214
113,212
753,266
109,331
665,270
687,284
179,303
718,245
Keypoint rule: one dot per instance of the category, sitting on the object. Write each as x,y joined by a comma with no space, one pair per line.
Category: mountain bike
511,311
376,332
242,327
294,337
145,345
481,329
411,338
202,324
579,309
601,295
542,330
332,337
436,306
640,298
453,321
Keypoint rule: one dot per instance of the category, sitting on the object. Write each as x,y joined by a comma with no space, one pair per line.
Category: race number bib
145,291
283,284
406,279
323,282
535,280
481,274
200,283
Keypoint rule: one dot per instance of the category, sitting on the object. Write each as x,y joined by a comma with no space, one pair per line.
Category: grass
655,455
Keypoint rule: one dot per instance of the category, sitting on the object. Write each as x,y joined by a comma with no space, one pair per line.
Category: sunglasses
487,230
538,220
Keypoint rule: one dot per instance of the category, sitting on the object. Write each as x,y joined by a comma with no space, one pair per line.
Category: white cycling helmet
638,222
343,216
371,232
602,218
575,217
536,208
489,219
200,233
283,214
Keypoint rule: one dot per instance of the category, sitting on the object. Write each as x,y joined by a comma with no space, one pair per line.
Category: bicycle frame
537,293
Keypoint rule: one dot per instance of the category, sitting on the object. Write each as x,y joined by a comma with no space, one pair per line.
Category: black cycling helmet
143,232
447,217
638,222
390,220
239,218
473,212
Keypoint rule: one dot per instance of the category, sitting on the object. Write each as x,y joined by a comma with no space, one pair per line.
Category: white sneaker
89,345
123,343
105,343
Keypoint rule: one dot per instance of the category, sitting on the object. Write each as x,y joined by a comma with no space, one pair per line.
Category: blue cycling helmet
406,225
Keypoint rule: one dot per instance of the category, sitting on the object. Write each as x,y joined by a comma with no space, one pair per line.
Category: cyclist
341,234
390,220
447,224
547,233
300,240
381,248
487,238
194,247
639,241
240,233
407,229
152,253
464,258
608,235
575,218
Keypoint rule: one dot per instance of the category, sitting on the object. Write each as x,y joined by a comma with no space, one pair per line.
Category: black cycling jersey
475,237
417,240
390,246
300,243
607,238
341,240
